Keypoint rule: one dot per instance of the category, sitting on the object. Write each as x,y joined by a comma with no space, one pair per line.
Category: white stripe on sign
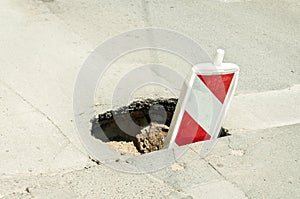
203,106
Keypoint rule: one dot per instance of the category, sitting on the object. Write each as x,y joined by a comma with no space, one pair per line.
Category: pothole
138,128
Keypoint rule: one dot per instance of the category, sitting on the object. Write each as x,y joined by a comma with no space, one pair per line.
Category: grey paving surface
255,164
44,43
262,163
259,36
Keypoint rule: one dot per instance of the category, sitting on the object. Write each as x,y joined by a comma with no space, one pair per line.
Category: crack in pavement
224,177
36,109
43,114
219,172
172,187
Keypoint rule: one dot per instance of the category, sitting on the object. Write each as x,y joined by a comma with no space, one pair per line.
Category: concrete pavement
44,43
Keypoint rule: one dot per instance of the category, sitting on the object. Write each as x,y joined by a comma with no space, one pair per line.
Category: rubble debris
124,148
151,138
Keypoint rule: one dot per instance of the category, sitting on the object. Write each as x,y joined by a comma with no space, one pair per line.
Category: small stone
27,190
151,138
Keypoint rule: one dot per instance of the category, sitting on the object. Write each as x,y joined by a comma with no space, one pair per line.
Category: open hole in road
138,128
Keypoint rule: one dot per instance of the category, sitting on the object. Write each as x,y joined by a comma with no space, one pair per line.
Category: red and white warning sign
203,102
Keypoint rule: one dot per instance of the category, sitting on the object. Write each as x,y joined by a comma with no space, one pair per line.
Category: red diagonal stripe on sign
217,84
190,131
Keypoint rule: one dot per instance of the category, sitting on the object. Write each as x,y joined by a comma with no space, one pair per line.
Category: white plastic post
218,59
202,105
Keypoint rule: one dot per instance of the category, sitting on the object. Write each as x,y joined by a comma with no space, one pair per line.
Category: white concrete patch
177,166
237,152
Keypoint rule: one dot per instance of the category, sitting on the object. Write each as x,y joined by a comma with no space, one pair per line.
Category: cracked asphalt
43,45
